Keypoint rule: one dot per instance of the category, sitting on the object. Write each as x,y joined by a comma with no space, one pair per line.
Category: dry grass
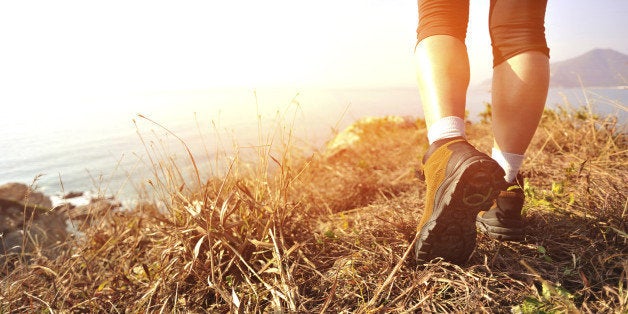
328,233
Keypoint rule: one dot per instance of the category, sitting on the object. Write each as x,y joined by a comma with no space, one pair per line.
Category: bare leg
443,76
520,87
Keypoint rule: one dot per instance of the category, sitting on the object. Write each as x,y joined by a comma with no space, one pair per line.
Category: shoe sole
450,232
501,233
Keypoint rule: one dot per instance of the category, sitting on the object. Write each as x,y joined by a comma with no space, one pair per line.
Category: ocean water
105,147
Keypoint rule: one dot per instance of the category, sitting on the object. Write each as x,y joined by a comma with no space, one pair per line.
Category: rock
96,208
72,194
28,224
22,193
11,242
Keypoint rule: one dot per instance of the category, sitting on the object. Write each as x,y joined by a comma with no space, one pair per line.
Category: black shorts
515,26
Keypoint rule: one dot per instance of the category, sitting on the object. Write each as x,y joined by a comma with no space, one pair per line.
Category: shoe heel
481,184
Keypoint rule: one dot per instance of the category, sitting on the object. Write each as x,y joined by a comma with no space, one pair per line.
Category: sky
54,50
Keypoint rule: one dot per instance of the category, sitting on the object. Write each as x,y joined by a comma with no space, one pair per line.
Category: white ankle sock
446,127
511,163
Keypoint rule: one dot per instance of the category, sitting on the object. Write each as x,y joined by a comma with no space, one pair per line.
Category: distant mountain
596,68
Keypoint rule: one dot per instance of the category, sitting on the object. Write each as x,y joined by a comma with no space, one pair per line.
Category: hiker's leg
520,77
519,92
441,58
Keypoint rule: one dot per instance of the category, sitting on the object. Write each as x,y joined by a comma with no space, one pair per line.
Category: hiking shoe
461,182
503,220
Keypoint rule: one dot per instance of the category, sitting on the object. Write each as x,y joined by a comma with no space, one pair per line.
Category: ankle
447,127
511,163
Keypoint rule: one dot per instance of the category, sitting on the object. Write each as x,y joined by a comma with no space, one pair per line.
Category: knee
511,40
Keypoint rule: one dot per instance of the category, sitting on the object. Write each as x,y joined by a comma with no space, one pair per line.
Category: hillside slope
329,233
595,68
598,67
